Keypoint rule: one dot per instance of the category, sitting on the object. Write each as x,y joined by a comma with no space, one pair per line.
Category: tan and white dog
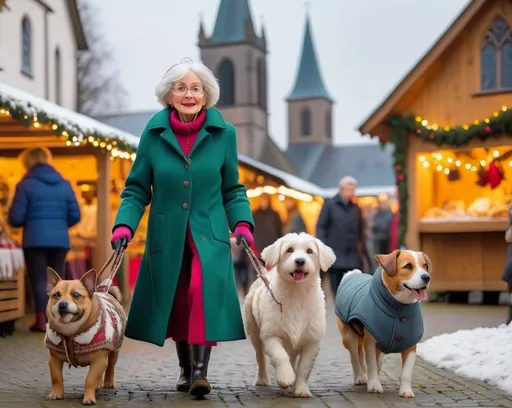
85,328
381,314
292,338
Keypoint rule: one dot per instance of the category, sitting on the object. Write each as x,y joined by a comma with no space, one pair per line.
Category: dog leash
115,259
260,270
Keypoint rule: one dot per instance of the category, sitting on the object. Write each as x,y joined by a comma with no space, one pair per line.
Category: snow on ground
484,354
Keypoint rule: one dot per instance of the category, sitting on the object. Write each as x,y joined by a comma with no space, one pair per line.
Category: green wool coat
203,191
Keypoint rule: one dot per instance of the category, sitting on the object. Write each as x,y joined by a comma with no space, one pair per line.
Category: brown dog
381,314
85,328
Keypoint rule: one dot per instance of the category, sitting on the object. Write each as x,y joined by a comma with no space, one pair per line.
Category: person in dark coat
45,206
381,228
187,168
340,225
269,226
295,222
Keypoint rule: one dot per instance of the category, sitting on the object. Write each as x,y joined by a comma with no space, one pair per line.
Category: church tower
238,58
309,103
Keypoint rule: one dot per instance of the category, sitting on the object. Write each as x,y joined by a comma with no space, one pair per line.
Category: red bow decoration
495,174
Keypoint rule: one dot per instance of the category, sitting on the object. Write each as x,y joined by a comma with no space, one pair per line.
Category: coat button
185,206
398,338
189,161
203,238
186,165
403,318
186,184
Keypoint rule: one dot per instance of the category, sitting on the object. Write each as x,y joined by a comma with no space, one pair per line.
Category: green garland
27,115
500,123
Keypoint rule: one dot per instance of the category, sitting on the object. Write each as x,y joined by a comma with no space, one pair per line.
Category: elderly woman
45,206
187,167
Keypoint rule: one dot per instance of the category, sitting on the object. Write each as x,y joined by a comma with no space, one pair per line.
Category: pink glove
119,234
243,230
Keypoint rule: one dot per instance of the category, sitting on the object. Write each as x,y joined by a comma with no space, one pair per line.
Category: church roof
309,83
233,20
370,164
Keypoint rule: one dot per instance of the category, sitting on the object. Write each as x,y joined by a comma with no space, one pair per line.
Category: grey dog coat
364,298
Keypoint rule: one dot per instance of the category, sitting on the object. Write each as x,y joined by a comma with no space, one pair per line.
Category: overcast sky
364,47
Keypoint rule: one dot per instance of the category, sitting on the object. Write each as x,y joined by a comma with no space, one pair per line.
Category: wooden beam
103,248
56,151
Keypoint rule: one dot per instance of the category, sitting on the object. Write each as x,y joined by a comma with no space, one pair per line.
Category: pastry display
481,207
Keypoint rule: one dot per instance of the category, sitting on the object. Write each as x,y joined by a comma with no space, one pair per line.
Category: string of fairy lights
434,126
77,138
445,162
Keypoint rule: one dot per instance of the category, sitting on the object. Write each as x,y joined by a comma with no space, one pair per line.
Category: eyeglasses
181,89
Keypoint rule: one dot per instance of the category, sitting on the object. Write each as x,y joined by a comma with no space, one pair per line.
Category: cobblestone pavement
146,374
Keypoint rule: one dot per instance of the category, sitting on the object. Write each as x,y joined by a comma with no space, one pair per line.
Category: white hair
178,71
348,180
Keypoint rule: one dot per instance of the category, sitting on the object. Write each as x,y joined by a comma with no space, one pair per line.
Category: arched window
496,57
226,75
58,92
328,125
26,47
305,122
262,83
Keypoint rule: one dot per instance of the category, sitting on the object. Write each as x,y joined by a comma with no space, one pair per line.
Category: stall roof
289,179
20,103
417,77
365,191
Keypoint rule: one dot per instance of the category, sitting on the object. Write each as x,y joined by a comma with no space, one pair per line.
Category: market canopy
21,111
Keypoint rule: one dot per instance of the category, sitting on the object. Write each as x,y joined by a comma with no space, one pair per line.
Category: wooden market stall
94,157
450,126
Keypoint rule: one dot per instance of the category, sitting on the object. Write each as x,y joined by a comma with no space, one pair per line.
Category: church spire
234,23
308,83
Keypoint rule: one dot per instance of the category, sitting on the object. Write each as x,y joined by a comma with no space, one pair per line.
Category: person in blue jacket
45,205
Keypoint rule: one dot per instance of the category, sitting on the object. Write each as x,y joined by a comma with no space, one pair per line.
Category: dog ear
272,254
89,281
52,278
388,261
326,255
428,261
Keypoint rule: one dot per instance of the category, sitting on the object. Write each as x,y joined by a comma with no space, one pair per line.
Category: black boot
199,385
183,351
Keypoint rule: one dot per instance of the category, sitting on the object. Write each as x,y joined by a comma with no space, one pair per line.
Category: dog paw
108,384
406,392
285,376
375,387
56,395
89,400
302,393
261,382
360,380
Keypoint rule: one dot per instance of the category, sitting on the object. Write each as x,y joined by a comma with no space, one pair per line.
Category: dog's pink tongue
421,294
298,276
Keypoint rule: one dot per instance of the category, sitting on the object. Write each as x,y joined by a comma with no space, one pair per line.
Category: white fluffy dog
292,338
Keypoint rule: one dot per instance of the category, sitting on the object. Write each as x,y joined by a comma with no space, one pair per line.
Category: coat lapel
171,138
203,133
